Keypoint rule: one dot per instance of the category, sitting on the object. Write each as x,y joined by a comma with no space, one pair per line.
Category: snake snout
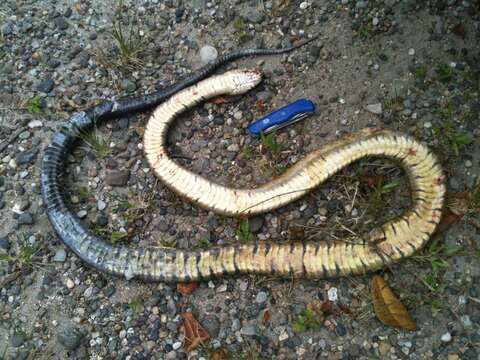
244,80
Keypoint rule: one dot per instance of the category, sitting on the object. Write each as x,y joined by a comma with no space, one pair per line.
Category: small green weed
204,243
83,193
306,321
34,105
243,231
455,140
116,236
240,30
269,143
136,305
436,255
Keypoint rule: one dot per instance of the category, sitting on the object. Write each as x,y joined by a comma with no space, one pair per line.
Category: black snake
389,243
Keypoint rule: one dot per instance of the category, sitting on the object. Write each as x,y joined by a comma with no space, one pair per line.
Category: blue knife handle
281,116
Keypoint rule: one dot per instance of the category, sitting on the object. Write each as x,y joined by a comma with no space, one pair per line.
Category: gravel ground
412,66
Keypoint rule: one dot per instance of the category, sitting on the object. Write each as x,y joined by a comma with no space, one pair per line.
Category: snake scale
384,245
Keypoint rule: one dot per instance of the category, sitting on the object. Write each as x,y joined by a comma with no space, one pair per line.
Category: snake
380,247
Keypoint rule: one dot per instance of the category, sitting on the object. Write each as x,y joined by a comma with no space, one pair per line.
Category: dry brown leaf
265,316
219,354
195,334
187,288
388,307
328,308
296,233
219,100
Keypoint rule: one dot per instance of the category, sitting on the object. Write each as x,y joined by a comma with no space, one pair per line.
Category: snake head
243,80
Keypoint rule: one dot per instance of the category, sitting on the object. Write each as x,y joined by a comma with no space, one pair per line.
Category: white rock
12,164
332,294
101,205
70,283
411,52
447,337
208,54
34,124
374,108
283,336
304,5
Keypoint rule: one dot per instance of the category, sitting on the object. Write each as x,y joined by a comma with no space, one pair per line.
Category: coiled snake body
391,242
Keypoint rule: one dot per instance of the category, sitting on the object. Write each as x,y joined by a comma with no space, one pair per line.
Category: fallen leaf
187,288
219,354
219,100
265,316
296,233
388,307
195,334
458,206
327,308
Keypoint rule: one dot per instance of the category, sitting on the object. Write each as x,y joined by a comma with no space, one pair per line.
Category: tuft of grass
364,31
306,321
444,72
129,44
34,105
97,142
421,72
243,231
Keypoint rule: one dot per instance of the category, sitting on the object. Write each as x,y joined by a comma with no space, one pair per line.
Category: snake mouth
244,80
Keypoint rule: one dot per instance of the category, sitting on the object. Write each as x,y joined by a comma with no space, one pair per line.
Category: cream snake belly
389,243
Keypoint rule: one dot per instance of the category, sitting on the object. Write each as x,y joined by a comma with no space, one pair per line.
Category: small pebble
208,54
261,297
447,337
332,294
374,108
60,255
70,283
